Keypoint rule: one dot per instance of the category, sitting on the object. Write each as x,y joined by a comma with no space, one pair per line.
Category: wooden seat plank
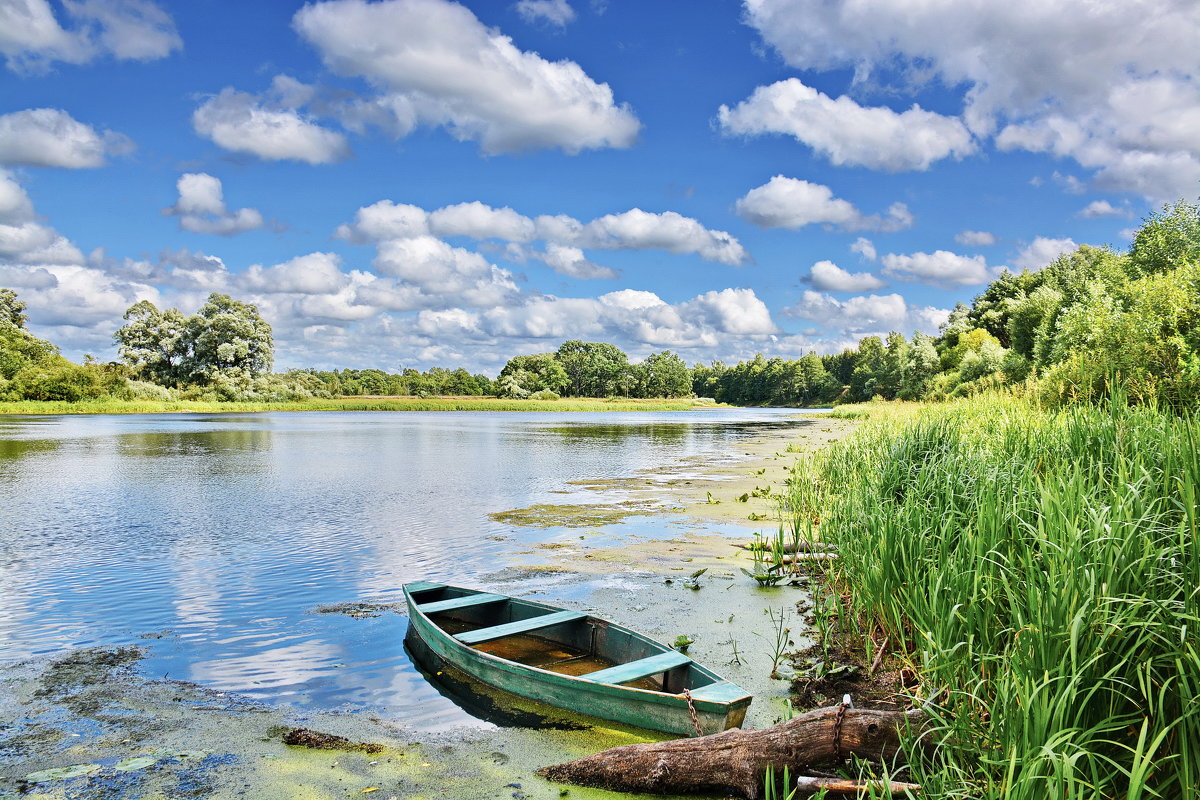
480,599
520,626
642,668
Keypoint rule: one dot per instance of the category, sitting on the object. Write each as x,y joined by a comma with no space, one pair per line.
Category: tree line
1069,331
1091,321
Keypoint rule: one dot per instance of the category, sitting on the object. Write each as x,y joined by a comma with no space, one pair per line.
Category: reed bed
1039,570
344,404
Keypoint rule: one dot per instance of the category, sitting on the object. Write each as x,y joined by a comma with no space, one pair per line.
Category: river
210,540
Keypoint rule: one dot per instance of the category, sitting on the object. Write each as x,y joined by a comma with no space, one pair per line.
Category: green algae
575,515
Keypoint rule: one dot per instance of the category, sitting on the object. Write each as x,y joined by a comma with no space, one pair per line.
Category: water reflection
219,534
160,444
658,434
480,701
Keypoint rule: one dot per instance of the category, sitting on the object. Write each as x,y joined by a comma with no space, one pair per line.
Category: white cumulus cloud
629,230
201,207
553,12
315,273
434,63
645,230
1129,109
1103,208
269,128
385,220
847,133
830,277
737,311
866,314
480,221
50,137
32,38
975,238
793,203
437,269
940,267
571,261
1042,250
24,241
865,248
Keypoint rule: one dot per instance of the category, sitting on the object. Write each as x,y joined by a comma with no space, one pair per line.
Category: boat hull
640,708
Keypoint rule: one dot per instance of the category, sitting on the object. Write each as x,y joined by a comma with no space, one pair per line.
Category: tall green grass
1041,569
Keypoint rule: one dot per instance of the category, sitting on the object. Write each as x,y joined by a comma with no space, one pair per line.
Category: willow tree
227,340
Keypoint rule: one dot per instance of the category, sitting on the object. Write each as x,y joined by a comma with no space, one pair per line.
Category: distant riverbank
466,403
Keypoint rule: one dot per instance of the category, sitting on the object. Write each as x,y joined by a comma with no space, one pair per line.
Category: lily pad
137,762
62,773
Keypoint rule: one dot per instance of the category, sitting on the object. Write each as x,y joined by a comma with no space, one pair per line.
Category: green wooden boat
571,660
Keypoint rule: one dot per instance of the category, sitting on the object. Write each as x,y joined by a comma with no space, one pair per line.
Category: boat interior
566,642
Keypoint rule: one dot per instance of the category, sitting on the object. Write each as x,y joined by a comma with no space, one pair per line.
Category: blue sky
422,182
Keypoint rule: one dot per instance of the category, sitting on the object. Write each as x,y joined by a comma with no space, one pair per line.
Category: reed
1041,568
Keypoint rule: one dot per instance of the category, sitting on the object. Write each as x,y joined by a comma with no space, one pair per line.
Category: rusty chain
837,727
692,711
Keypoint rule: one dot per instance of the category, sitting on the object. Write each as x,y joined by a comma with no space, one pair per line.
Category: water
211,539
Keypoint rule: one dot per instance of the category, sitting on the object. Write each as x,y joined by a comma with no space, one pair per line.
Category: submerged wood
806,786
801,557
792,547
737,761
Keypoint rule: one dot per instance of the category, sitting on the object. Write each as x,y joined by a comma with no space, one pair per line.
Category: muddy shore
89,724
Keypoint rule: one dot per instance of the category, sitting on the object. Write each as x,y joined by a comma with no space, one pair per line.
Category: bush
544,394
59,379
142,390
240,387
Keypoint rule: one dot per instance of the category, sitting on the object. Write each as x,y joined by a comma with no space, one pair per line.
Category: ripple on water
216,536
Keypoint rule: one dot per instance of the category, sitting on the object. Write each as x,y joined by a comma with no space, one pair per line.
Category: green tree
156,344
663,375
536,372
812,381
1167,239
227,343
19,348
594,369
923,365
510,385
991,309
895,365
1028,320
11,309
864,381
230,339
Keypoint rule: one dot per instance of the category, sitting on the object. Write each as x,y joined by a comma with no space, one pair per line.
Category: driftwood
736,761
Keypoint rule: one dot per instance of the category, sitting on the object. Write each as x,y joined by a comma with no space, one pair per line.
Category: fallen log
735,762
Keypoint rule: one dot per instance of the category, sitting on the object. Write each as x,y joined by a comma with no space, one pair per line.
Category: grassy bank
347,404
1041,568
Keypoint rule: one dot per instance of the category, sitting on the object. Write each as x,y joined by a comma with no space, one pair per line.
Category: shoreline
365,403
186,734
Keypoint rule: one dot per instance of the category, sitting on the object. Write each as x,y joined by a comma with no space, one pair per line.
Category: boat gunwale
582,681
